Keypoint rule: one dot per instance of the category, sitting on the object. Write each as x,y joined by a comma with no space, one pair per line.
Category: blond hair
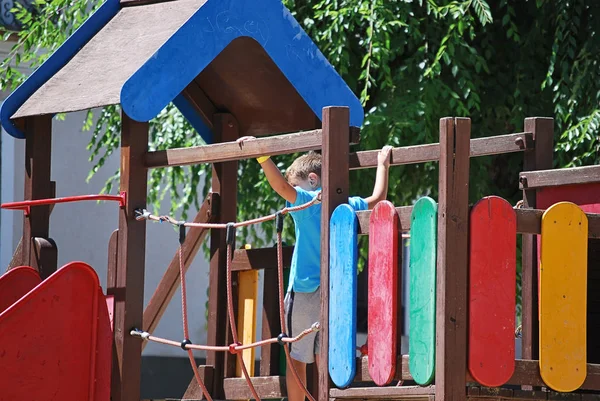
304,165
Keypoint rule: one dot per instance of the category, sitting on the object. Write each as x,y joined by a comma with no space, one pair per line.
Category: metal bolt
520,142
339,190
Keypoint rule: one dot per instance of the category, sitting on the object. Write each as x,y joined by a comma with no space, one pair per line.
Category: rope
281,306
143,214
144,335
186,335
232,324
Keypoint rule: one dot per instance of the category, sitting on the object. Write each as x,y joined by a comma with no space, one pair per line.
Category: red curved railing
27,204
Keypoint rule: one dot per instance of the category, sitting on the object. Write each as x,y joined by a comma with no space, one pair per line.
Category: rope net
236,347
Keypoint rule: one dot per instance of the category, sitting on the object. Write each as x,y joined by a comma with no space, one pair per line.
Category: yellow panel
563,289
246,321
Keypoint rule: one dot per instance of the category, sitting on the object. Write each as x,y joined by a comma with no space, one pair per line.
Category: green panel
423,254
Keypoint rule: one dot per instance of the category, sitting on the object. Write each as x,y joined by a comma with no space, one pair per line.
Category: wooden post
224,182
540,158
38,148
452,269
271,325
335,184
129,291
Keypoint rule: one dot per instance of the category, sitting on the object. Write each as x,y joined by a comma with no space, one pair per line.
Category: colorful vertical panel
492,291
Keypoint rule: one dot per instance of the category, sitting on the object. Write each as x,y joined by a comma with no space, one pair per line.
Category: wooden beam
194,392
335,183
558,177
452,262
527,372
271,324
260,258
538,159
170,280
528,221
200,102
38,147
385,393
492,145
267,388
224,181
232,151
129,298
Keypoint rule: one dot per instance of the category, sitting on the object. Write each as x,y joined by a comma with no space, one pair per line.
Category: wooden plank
384,265
526,372
540,158
38,147
404,213
492,145
129,302
335,184
563,302
169,283
343,274
231,151
528,221
559,177
492,291
423,256
266,387
260,258
383,393
194,392
452,264
271,325
17,258
199,101
45,254
113,291
246,320
224,181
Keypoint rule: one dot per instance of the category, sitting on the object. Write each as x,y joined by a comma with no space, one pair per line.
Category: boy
301,184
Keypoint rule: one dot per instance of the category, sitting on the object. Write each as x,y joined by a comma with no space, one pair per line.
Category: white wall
81,230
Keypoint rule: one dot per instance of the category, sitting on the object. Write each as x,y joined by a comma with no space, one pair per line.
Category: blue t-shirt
305,274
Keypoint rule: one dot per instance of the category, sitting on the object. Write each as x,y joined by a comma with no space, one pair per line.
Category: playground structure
459,358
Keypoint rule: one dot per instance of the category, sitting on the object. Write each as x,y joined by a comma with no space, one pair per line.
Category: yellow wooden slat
563,297
246,321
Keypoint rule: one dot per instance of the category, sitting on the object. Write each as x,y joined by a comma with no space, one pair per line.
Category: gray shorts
302,310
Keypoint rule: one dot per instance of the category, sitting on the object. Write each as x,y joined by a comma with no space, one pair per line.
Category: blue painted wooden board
343,270
422,271
214,26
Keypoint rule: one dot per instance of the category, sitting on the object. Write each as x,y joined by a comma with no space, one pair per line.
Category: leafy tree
411,62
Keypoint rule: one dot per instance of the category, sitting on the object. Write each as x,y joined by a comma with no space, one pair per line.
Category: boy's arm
274,176
278,182
380,189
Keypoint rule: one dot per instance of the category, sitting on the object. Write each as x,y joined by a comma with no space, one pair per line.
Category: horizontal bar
492,145
27,204
527,372
529,221
558,177
260,258
267,387
382,393
229,151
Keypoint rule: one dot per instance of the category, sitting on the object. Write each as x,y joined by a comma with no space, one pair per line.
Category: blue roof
191,48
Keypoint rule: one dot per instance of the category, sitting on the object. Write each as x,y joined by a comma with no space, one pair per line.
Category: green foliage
411,62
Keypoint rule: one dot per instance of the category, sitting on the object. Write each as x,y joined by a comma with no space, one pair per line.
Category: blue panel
210,30
343,270
54,63
193,117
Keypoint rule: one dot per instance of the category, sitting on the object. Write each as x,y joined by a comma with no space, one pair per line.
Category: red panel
15,283
383,292
492,291
48,339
